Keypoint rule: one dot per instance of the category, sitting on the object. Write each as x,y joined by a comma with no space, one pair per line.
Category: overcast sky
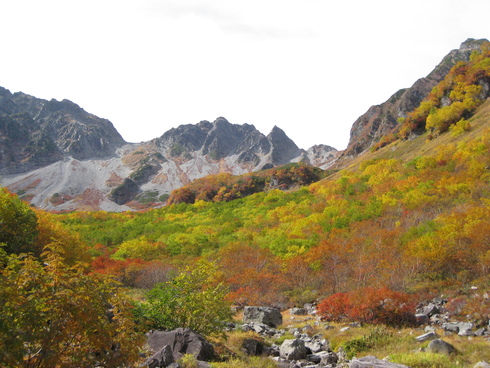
311,67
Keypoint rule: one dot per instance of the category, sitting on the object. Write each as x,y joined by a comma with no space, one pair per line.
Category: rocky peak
283,148
381,120
35,132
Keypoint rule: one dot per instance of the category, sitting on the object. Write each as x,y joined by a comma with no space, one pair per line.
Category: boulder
182,341
252,347
293,349
373,362
162,358
271,317
439,346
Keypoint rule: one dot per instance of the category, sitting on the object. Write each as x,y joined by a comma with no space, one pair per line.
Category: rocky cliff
35,133
381,120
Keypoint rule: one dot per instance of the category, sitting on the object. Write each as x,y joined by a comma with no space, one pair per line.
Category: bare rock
439,346
271,317
182,341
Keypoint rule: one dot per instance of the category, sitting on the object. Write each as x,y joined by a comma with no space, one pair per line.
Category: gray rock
298,312
308,329
480,331
252,347
163,358
439,346
461,328
182,341
427,336
314,346
373,362
482,364
271,317
293,350
329,358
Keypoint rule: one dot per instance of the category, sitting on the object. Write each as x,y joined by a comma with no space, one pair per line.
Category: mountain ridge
61,158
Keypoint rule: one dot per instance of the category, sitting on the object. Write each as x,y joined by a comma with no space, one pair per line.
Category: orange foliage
369,305
252,274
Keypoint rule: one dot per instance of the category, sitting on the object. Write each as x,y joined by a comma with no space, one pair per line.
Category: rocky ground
304,346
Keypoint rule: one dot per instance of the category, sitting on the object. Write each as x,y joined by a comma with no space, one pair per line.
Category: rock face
59,157
35,133
381,120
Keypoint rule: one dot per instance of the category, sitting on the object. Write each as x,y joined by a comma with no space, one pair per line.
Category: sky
310,67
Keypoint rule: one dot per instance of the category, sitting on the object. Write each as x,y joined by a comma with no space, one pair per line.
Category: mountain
59,157
381,120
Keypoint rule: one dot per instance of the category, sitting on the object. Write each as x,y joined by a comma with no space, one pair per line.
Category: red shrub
369,305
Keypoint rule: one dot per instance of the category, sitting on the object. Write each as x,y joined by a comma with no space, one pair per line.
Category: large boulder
271,317
439,346
373,362
182,341
293,349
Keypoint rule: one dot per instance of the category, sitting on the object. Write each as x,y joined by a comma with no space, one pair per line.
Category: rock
439,346
428,310
298,312
480,331
182,341
421,319
343,329
252,347
373,362
308,329
163,358
482,364
329,358
461,328
314,346
271,317
427,336
293,349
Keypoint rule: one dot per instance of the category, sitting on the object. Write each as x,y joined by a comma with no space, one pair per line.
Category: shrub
370,305
193,299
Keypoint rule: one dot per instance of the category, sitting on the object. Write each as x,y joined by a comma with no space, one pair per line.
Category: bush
192,300
369,305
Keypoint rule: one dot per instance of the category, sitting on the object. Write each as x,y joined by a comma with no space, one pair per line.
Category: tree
193,299
17,224
55,315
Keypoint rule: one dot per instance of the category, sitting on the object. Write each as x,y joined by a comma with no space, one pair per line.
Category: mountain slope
381,120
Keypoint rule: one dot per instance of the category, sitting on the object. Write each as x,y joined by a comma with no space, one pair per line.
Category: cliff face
381,120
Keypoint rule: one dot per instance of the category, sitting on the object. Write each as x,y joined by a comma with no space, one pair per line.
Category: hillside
398,237
382,120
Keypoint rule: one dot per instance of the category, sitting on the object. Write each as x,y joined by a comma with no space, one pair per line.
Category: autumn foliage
370,305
